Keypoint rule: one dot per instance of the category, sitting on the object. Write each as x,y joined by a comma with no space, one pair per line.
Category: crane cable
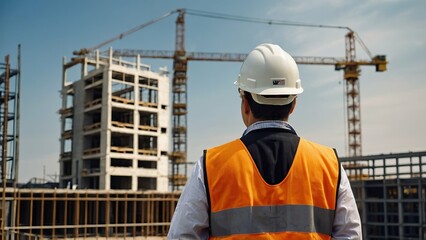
257,20
357,37
273,22
85,51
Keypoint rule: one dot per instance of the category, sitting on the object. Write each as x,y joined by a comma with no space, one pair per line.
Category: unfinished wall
115,125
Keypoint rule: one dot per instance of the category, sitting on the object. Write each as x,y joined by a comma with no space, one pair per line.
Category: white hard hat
269,70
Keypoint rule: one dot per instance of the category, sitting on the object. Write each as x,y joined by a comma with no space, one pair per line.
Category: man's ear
293,105
246,106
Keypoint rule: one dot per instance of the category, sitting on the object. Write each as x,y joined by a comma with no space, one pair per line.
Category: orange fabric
234,180
275,236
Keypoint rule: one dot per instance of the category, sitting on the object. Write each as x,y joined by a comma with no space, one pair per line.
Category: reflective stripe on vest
241,202
258,219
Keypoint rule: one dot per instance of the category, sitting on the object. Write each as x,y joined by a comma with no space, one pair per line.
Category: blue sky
393,103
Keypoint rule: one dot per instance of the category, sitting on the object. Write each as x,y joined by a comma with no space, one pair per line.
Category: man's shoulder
316,144
224,145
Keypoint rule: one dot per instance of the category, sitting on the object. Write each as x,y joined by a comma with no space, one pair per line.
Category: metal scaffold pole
4,145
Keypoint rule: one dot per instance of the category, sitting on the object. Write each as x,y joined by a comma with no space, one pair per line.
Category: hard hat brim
264,100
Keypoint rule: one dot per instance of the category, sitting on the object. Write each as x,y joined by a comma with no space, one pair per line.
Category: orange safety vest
244,206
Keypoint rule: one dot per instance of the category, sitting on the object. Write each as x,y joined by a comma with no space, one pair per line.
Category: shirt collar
269,124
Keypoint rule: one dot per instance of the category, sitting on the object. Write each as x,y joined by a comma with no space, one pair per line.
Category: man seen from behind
270,183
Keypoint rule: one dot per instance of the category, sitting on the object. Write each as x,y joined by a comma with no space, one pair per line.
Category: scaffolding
390,191
9,129
9,120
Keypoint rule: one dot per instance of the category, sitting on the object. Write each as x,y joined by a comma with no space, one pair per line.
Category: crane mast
351,75
178,156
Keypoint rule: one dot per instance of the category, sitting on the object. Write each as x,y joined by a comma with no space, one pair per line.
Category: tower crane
178,157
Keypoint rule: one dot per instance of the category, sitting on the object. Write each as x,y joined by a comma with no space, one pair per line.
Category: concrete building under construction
115,120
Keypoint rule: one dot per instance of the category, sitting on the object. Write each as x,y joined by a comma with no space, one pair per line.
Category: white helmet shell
269,70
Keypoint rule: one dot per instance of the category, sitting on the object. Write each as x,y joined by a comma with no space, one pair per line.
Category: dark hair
268,112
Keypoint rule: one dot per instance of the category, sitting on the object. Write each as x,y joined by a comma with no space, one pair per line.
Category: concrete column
105,143
135,131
